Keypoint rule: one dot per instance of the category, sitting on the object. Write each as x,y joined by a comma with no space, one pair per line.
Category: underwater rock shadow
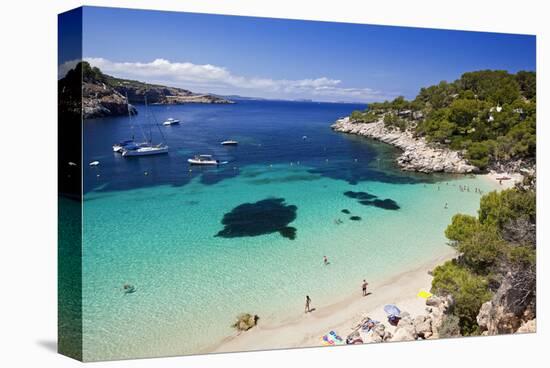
367,199
285,179
260,218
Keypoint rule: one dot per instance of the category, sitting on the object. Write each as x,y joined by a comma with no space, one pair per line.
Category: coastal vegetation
489,115
497,254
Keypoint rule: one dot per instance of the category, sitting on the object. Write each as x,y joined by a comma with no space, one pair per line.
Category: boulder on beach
245,321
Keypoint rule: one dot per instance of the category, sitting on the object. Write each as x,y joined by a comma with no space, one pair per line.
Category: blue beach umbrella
392,310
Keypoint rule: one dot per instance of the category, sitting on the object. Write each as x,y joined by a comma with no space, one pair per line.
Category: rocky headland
418,154
105,95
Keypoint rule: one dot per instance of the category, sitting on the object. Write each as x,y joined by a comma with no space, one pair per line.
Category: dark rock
263,217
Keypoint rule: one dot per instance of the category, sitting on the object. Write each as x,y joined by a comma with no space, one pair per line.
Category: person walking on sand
365,284
308,304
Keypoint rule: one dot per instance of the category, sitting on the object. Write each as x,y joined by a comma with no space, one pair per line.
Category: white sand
504,184
305,330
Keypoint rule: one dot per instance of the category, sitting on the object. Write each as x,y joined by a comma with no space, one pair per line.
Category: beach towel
424,294
332,339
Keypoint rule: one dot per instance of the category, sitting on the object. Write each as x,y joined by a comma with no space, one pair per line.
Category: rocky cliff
105,95
417,154
438,322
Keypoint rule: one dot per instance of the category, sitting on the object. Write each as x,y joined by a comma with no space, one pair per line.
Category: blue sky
290,59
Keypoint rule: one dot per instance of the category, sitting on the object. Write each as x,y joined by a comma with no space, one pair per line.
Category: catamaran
147,148
203,160
171,121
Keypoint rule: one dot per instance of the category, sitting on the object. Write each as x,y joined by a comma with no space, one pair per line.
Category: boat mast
129,115
158,126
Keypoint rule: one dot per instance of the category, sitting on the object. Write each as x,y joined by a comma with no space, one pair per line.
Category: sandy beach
495,177
305,330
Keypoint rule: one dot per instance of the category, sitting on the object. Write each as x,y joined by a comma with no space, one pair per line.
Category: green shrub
498,208
462,227
468,290
478,154
482,250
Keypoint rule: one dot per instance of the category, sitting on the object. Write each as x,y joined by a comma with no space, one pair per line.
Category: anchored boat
129,143
229,143
147,148
203,160
171,121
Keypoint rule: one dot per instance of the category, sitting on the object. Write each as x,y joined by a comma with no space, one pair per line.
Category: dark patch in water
355,218
359,195
286,179
367,199
288,232
191,203
346,211
387,204
263,217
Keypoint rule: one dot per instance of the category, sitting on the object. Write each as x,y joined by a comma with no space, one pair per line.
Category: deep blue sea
201,245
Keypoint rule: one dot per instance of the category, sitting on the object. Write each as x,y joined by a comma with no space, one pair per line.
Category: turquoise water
190,283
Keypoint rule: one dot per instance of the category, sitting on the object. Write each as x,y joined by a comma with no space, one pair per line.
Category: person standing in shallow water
365,284
325,260
308,304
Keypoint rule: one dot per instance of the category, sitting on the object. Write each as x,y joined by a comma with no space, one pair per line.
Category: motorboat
229,142
171,121
203,160
146,150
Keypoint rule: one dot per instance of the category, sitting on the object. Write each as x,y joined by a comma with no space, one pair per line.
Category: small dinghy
94,163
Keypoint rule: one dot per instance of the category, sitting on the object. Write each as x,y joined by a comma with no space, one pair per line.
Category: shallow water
163,231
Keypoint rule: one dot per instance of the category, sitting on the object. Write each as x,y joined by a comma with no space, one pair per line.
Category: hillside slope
105,95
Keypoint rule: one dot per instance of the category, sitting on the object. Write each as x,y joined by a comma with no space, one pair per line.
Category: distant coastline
104,95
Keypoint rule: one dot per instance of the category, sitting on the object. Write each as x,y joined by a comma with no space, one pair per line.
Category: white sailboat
147,148
128,144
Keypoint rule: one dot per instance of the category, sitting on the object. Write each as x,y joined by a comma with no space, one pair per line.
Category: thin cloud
216,79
